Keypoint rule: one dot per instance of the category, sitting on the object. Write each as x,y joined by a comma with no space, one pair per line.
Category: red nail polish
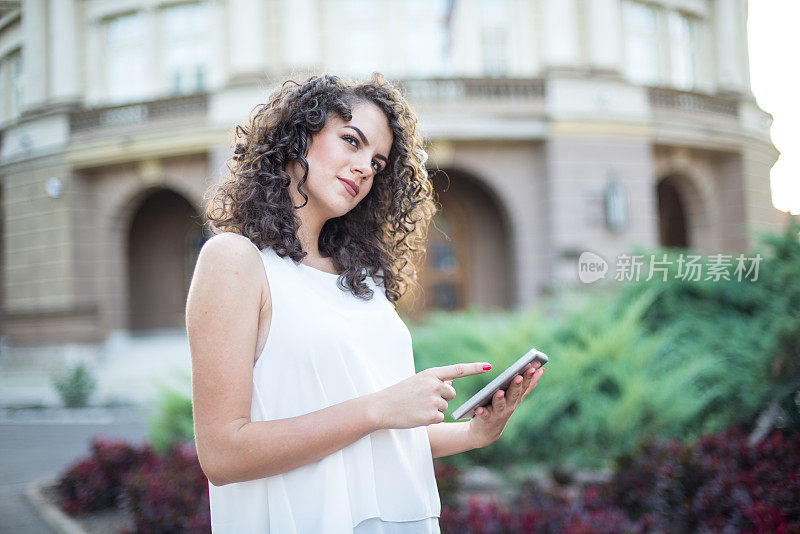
486,367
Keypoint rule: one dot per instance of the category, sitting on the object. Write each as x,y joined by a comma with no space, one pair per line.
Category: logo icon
591,267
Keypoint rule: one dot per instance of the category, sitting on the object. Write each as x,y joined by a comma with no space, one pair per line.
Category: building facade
554,127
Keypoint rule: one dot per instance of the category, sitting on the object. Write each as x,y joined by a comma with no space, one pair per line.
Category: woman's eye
354,142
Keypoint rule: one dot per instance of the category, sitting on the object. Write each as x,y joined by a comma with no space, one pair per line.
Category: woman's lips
350,185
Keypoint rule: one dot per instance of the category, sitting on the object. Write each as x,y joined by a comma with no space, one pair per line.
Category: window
682,50
443,257
15,64
444,273
10,86
445,296
493,36
185,29
125,66
641,43
443,277
425,38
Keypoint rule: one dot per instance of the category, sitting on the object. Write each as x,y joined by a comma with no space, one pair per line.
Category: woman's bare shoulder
229,245
228,254
229,241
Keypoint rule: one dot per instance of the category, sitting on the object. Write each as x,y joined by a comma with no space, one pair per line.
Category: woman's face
343,159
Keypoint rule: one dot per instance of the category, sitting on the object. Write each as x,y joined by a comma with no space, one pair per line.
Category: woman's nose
361,167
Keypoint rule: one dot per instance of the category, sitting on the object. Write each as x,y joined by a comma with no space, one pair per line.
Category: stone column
63,51
744,50
34,53
561,36
731,41
303,52
731,195
760,213
247,44
746,196
218,46
604,47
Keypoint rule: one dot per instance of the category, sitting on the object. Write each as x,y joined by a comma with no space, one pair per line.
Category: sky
774,40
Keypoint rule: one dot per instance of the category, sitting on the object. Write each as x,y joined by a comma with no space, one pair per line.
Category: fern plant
75,386
171,420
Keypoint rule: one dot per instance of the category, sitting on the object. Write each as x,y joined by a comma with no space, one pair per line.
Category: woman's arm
450,438
488,424
265,448
222,314
228,292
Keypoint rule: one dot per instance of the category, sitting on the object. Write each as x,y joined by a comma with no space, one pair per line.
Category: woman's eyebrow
366,143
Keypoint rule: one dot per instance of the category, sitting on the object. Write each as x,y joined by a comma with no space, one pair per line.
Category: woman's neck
308,234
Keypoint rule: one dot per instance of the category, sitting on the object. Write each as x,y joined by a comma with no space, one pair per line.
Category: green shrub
604,389
75,386
657,359
751,329
171,420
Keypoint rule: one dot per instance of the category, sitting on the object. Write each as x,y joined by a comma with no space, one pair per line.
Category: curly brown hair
383,236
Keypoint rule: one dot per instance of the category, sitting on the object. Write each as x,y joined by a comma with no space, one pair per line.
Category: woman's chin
340,209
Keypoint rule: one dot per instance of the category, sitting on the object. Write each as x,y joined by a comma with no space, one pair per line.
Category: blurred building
558,126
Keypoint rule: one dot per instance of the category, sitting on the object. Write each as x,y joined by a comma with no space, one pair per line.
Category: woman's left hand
489,421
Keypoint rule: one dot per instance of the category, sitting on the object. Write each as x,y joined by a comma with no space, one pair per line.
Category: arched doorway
672,221
446,266
467,263
164,239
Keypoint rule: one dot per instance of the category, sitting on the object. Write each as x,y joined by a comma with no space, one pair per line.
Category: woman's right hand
421,400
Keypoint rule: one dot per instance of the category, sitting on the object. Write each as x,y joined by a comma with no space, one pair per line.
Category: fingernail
531,371
500,394
486,366
518,380
479,411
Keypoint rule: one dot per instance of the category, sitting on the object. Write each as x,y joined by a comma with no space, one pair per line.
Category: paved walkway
39,444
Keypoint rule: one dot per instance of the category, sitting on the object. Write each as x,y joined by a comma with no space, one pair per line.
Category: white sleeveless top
326,346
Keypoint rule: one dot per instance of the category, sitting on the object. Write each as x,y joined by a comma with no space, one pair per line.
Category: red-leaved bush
168,494
718,484
447,480
95,483
536,511
162,494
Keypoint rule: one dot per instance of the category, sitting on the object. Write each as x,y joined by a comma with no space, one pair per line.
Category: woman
309,417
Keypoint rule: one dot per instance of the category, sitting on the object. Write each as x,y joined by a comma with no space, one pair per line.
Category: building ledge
106,120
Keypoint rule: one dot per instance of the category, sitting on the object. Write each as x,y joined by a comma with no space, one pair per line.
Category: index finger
458,370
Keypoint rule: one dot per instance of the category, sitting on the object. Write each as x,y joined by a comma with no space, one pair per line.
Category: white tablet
484,396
